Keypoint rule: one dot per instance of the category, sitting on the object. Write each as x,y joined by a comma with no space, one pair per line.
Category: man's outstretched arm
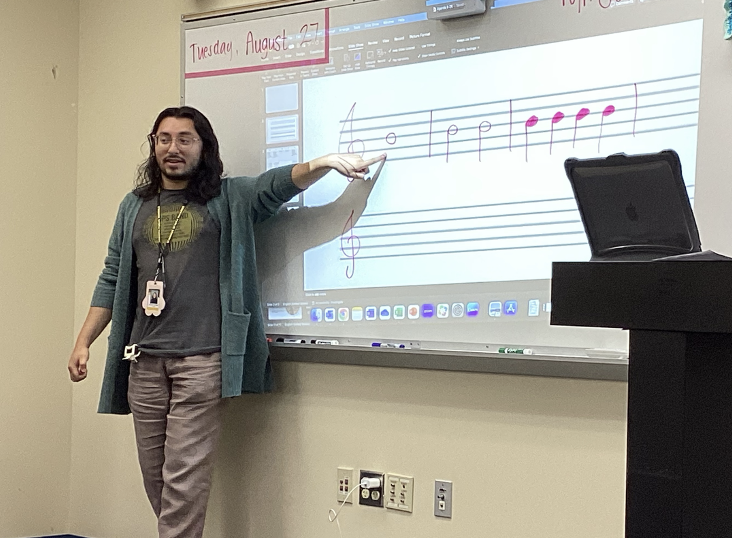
347,164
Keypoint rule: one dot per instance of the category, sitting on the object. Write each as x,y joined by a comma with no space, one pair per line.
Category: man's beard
186,174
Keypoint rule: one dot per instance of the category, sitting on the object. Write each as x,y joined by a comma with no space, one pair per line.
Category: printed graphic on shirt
186,232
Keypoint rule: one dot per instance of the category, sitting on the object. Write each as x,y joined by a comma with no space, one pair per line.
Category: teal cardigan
245,365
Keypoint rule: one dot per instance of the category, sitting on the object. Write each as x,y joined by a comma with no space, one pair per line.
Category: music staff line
439,220
560,130
458,219
350,242
475,250
536,144
466,207
410,244
469,229
357,243
439,139
470,240
528,110
504,102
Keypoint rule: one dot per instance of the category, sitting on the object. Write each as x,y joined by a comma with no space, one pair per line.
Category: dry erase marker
331,342
291,340
389,344
516,350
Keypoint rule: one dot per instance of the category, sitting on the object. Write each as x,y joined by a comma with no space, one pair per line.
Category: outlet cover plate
374,496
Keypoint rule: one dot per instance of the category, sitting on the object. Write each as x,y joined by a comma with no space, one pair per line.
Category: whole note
531,122
582,114
350,245
559,116
605,113
484,127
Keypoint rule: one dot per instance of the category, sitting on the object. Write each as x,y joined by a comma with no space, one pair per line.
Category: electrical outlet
345,484
372,496
443,498
399,492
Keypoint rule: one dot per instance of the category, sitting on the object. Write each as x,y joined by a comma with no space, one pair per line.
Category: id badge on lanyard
154,302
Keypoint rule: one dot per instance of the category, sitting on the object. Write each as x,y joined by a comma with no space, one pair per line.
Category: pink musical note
559,116
391,139
605,113
451,131
531,122
348,122
484,127
582,114
350,245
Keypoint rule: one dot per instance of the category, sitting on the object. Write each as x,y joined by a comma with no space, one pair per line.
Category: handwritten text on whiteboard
288,41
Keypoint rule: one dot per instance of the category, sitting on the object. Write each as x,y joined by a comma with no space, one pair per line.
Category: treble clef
356,145
350,245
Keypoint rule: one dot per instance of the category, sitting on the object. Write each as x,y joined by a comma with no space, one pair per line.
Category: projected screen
455,240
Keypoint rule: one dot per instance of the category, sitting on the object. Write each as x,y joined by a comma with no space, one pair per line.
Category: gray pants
176,408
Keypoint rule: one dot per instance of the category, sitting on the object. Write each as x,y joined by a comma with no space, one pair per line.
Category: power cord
366,483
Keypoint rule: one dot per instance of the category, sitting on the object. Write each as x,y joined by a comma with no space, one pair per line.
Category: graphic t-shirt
190,323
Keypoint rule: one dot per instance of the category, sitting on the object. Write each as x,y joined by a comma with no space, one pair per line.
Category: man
185,237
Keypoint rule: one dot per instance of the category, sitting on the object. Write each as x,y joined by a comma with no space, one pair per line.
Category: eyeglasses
184,141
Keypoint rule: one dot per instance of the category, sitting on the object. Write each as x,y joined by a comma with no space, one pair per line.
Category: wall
38,151
528,456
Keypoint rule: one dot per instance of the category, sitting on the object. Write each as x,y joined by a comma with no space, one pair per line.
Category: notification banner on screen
299,39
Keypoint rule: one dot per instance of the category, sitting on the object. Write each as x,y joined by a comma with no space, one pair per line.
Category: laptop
634,207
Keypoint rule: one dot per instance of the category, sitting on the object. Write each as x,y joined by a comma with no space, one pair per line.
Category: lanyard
162,248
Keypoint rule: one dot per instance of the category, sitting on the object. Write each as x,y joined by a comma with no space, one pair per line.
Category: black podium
679,452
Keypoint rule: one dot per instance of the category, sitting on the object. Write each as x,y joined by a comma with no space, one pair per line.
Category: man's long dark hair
205,182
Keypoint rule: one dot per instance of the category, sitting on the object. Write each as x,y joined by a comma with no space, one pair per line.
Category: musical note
604,4
391,138
559,116
605,113
582,114
451,131
531,122
350,245
484,127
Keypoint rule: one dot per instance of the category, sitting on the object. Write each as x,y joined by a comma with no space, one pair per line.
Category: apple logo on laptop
631,212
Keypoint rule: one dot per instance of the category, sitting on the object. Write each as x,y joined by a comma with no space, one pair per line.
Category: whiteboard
450,250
